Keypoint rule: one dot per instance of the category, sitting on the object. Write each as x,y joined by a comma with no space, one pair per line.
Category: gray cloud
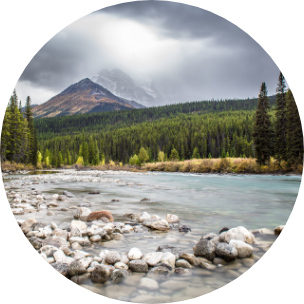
189,52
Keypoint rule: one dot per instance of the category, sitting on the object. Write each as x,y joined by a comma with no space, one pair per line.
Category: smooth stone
79,279
278,230
148,283
173,285
68,194
239,233
171,218
182,271
120,265
50,213
168,258
62,198
219,261
138,266
226,252
54,241
144,216
161,225
28,225
82,213
183,264
79,224
159,272
112,257
118,275
208,266
101,273
95,238
117,236
205,249
153,258
244,250
62,268
189,257
134,254
209,236
18,211
174,250
76,268
80,240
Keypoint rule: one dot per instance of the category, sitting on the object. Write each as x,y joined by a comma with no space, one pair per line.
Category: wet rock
18,211
68,194
78,224
112,257
85,262
39,225
96,215
55,196
117,236
54,241
149,222
50,213
160,225
120,265
66,250
28,225
148,283
94,192
159,272
85,205
184,228
144,216
134,254
82,213
62,268
76,268
65,226
278,230
60,233
171,218
183,264
207,266
62,198
205,249
101,273
36,242
75,232
53,204
76,246
168,258
80,279
153,258
209,236
95,238
138,266
48,250
215,240
219,261
118,275
80,240
168,248
115,200
224,229
244,250
226,252
161,264
124,258
182,271
64,209
190,258
173,285
239,233
145,200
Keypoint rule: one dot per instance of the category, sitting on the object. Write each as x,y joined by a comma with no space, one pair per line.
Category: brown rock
96,215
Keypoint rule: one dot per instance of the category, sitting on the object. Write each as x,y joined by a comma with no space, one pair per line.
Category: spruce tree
281,120
294,131
196,154
174,155
262,128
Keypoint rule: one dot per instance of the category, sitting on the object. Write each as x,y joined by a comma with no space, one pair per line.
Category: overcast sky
188,51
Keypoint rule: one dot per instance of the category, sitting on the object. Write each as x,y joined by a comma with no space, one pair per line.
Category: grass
12,166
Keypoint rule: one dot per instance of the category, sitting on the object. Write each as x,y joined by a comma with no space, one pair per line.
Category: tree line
18,137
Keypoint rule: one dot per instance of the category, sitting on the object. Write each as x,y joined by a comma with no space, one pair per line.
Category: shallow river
206,203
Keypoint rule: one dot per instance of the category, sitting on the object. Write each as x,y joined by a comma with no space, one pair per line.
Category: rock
80,240
159,272
118,275
134,254
59,256
171,218
62,268
79,279
219,261
75,232
144,216
50,213
85,205
39,225
36,242
64,209
18,211
28,225
95,238
115,200
94,192
184,228
173,285
278,230
82,213
103,254
85,262
124,258
215,240
168,258
167,248
76,246
223,230
165,265
148,222
62,198
153,258
205,249
138,266
183,264
190,258
207,266
101,273
68,194
96,215
209,236
226,252
160,225
79,224
53,204
48,250
55,196
244,250
148,284
112,257
60,233
145,199
54,241
66,250
239,233
120,265
117,236
182,271
65,226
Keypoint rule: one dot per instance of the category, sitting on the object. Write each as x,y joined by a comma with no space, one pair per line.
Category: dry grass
223,165
15,166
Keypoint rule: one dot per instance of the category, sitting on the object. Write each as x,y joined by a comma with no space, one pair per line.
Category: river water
206,203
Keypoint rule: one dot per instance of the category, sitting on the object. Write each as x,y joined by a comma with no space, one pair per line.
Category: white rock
55,196
144,216
79,224
160,225
134,254
95,238
171,218
168,258
103,253
244,250
120,265
18,211
148,284
239,233
155,258
59,256
85,262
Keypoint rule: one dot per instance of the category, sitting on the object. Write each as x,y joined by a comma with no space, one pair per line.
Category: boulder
134,254
244,250
171,218
28,225
96,215
278,230
138,266
101,273
118,275
239,233
183,264
160,225
82,213
62,268
112,257
205,249
226,252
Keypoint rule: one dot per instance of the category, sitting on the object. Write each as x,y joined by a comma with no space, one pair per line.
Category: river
206,203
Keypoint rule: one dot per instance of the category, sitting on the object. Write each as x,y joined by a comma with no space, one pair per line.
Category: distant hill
83,97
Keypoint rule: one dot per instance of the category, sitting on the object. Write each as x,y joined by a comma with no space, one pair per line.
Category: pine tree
196,154
294,131
174,155
262,128
281,120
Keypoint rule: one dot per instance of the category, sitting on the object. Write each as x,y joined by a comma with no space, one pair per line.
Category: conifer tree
294,131
281,120
174,155
195,154
262,128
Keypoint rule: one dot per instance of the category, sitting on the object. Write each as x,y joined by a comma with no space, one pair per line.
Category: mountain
122,85
83,97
